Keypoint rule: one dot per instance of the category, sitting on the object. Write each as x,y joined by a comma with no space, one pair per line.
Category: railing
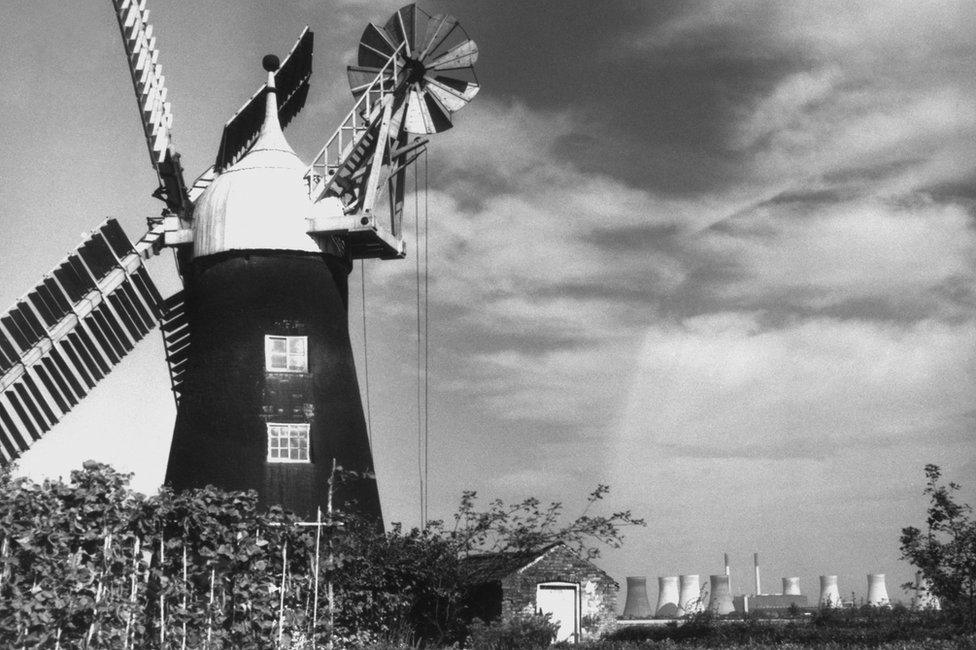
321,174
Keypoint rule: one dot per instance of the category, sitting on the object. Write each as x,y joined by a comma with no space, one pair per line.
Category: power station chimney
924,598
720,596
667,597
791,586
829,593
877,591
728,572
755,559
637,605
689,595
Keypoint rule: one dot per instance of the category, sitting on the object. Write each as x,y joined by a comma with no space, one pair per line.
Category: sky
719,256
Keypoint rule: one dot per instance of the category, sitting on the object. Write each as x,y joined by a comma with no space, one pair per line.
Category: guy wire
369,417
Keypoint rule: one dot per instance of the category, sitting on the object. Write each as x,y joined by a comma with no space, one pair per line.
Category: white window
286,353
288,443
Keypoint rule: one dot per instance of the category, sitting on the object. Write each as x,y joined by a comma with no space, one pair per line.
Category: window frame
289,428
289,355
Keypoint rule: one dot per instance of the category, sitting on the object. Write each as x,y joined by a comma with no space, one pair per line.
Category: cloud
722,385
915,256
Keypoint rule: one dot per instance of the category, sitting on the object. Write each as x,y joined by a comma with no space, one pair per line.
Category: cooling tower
924,598
791,586
755,559
877,591
667,597
720,597
829,593
689,595
637,605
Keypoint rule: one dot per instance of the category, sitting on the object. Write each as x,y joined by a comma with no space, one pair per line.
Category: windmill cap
270,62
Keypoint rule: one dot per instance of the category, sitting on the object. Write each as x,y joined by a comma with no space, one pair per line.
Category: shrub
946,551
526,632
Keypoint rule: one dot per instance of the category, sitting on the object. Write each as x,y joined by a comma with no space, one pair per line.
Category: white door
562,601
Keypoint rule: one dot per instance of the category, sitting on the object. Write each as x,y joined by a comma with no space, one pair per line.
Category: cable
420,435
426,342
369,417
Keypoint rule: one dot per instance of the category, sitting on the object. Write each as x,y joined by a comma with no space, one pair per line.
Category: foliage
838,629
524,632
529,525
91,563
945,552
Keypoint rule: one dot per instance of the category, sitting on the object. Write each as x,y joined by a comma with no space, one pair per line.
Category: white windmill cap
261,202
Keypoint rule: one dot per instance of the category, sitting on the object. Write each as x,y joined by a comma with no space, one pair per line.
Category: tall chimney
637,605
924,598
667,597
791,586
728,572
689,595
829,593
720,597
877,591
755,559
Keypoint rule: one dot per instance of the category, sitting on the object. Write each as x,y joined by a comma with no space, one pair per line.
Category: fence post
210,608
133,591
281,605
329,589
315,597
185,589
162,596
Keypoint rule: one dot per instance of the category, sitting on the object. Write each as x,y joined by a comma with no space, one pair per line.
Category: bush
525,632
945,552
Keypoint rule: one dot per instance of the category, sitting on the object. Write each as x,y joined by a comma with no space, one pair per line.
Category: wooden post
162,597
281,602
133,591
99,589
3,555
183,643
210,608
315,597
328,585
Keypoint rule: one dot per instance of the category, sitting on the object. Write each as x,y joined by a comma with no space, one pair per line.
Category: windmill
256,341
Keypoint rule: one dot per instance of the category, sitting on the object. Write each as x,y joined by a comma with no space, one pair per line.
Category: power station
257,341
682,596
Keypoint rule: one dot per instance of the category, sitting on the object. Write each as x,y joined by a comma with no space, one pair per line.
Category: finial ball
270,62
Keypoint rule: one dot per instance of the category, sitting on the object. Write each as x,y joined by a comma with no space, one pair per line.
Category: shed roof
490,567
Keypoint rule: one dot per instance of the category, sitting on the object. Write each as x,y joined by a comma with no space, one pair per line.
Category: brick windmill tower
257,341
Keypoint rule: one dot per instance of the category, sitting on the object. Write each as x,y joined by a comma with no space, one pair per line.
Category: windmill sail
176,339
68,332
291,85
149,84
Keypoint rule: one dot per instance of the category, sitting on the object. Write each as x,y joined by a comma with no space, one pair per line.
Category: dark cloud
651,237
655,119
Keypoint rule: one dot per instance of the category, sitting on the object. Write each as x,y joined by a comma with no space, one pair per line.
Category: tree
528,525
945,552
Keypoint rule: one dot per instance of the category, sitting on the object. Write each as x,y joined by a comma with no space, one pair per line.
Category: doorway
562,601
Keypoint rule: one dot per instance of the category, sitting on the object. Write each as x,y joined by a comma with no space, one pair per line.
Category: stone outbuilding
553,579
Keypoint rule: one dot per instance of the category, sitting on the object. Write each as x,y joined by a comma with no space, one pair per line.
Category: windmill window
286,353
288,443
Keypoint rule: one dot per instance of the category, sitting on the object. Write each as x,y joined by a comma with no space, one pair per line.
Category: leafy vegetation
90,563
871,627
526,632
530,525
945,552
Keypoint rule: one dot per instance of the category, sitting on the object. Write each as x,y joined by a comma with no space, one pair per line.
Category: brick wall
598,591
